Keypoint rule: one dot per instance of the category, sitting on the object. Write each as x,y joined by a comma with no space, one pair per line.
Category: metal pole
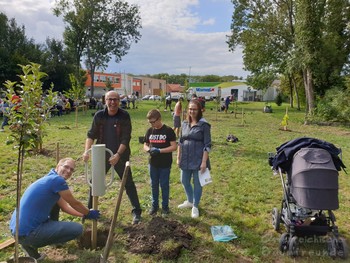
109,242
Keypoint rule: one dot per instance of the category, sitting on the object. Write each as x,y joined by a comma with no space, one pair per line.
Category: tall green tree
58,63
15,48
98,30
308,38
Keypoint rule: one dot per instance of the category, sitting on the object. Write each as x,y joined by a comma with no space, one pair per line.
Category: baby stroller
308,169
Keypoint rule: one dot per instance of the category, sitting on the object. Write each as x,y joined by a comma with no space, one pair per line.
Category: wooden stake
76,116
57,152
243,120
109,242
94,224
7,243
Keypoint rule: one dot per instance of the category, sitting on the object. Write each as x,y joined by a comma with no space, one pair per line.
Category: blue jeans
194,193
48,233
160,177
5,121
130,187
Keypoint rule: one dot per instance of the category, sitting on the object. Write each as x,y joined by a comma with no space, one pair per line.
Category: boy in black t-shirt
160,142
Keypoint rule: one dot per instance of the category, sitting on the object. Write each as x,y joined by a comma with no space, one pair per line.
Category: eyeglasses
113,99
191,109
66,166
152,122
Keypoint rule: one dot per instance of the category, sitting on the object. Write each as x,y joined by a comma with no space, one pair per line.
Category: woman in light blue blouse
193,154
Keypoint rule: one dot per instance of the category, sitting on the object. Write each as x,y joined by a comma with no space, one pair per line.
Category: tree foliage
29,114
77,91
334,105
16,48
58,65
307,38
183,79
98,30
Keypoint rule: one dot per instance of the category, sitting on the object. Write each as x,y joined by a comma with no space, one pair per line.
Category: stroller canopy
314,179
285,152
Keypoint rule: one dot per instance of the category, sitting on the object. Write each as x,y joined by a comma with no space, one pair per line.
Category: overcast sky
178,36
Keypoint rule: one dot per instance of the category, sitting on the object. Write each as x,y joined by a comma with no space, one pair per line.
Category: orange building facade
124,84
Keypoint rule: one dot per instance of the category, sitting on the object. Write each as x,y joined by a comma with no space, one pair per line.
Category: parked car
155,97
146,97
176,97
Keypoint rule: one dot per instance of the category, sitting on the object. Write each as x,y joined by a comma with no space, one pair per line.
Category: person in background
168,103
59,105
92,103
112,127
36,229
67,107
193,154
133,100
5,109
227,103
177,116
159,142
202,101
99,105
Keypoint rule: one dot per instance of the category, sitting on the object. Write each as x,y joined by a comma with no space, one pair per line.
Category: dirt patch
101,240
160,236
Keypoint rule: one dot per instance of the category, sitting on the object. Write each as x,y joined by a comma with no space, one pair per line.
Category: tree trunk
296,92
291,91
309,91
92,73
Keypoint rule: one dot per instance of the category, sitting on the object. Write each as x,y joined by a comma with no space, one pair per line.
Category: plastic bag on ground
222,233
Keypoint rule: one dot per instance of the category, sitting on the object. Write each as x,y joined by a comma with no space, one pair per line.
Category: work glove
93,214
154,151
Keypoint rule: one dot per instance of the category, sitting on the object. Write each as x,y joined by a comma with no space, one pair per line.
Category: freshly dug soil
160,236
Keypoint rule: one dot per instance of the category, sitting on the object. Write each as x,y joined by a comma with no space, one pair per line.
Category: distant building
240,90
174,88
124,84
272,91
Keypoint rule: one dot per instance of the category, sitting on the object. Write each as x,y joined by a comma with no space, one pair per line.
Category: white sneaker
2,130
42,257
185,204
195,212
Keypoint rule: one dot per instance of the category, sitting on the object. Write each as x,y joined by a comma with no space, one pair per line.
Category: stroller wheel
342,249
276,219
293,249
332,247
283,245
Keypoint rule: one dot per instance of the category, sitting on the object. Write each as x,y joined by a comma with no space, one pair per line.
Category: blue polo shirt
37,202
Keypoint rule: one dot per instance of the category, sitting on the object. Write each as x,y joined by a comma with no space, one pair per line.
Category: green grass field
242,195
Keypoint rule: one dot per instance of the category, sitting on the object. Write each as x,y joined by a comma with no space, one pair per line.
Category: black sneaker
153,211
136,219
31,251
165,212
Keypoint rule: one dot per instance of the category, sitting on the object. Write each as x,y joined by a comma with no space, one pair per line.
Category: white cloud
170,42
210,21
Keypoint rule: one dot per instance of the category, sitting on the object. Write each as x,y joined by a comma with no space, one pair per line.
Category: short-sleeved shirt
37,202
160,138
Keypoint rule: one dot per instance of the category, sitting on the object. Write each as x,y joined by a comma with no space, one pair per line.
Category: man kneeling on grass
36,229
